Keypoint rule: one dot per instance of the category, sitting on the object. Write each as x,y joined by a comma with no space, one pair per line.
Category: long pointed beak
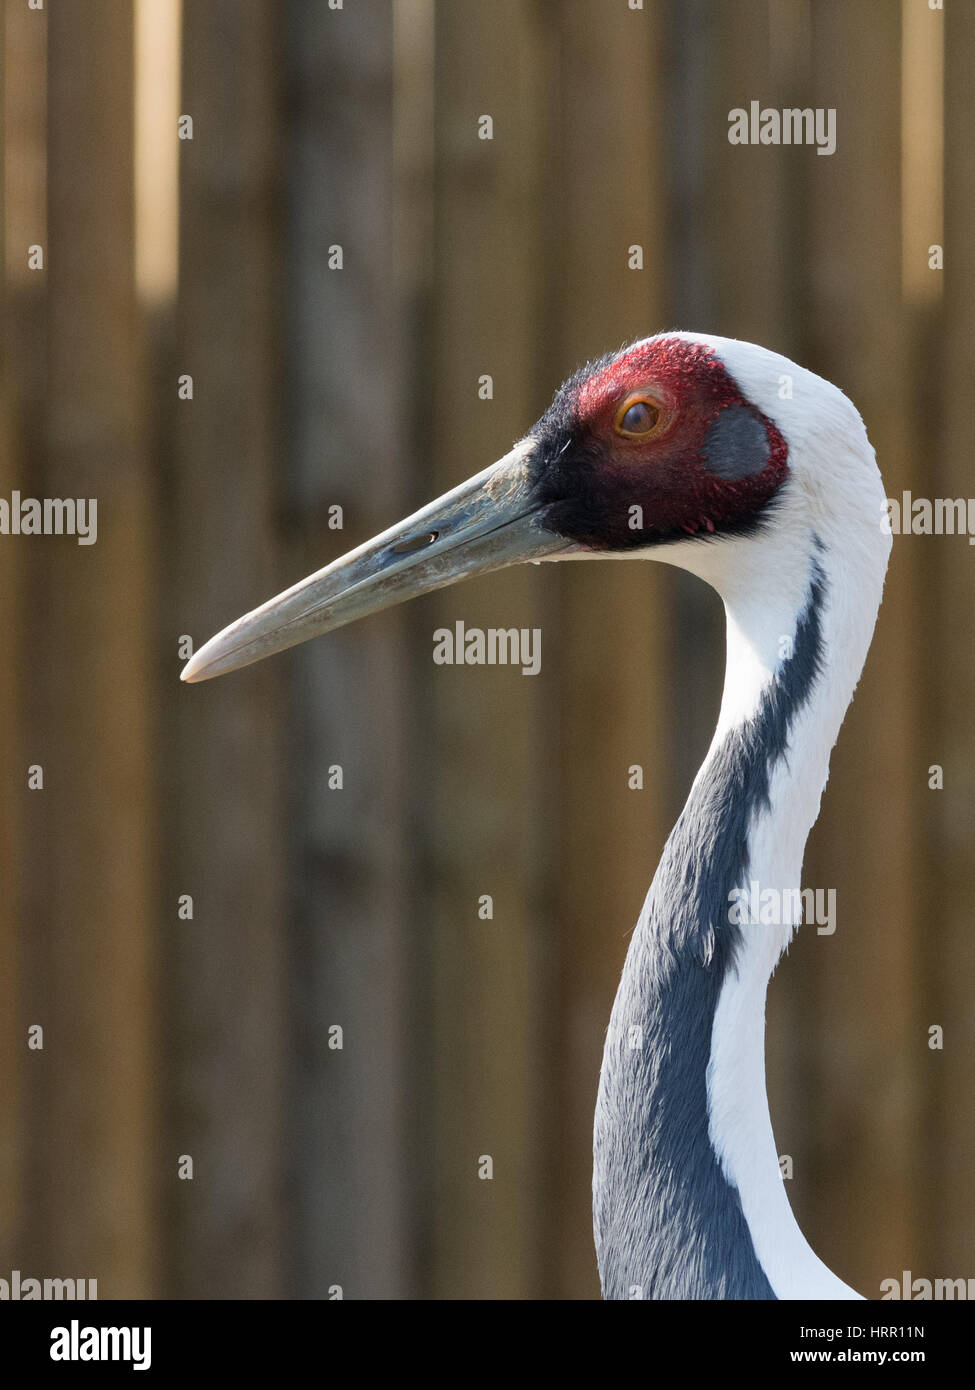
487,523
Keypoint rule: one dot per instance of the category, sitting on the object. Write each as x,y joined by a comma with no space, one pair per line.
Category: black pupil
640,418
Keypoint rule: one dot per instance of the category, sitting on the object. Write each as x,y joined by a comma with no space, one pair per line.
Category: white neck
761,628
662,1136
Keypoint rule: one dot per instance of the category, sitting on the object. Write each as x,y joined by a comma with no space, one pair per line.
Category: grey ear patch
737,443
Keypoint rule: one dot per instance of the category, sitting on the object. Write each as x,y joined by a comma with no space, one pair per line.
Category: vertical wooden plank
351,1109
946,944
12,1037
611,621
752,210
486,757
23,41
863,1060
14,1073
224,969
90,902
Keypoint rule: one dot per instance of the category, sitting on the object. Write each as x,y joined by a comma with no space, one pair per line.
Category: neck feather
688,1198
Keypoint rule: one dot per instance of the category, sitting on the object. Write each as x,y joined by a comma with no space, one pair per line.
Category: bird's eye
637,417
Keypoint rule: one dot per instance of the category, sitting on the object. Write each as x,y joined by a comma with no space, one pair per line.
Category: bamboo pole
90,896
23,38
486,750
354,1109
12,1034
944,924
224,969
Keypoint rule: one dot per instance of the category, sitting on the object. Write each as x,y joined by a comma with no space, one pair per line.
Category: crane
756,475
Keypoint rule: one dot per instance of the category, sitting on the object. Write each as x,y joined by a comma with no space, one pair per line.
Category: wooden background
315,387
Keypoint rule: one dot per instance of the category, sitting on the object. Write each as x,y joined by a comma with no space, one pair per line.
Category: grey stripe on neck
667,1221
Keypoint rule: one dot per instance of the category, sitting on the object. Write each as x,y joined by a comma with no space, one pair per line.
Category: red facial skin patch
689,477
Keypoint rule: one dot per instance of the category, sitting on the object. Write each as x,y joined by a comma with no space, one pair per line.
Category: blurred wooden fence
314,388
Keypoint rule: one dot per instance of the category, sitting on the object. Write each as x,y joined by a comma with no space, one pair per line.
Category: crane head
678,441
